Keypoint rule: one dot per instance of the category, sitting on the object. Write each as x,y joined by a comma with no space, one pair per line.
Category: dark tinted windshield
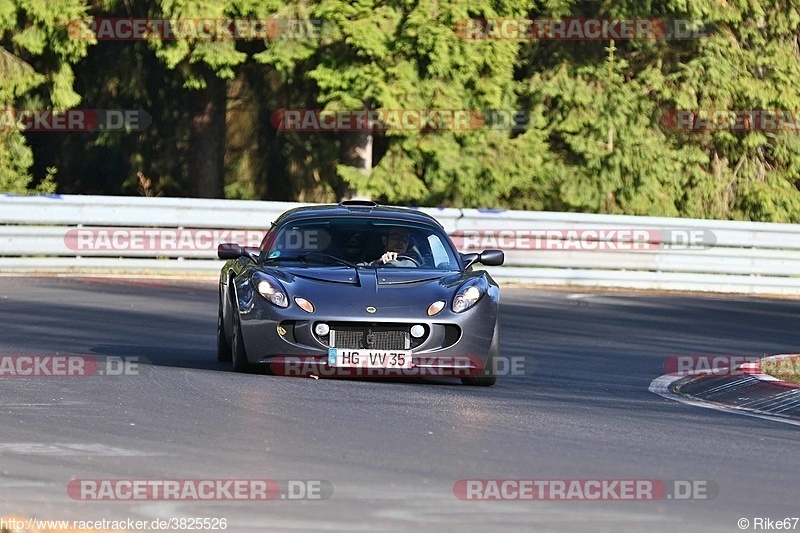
361,242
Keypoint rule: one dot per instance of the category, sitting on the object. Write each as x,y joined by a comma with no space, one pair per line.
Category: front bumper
454,343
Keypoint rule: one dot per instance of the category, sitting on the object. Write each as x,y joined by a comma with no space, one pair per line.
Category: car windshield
369,243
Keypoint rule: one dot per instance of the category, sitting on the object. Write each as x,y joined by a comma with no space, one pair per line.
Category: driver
396,244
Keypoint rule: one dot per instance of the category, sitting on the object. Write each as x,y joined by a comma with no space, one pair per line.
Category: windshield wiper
320,256
314,256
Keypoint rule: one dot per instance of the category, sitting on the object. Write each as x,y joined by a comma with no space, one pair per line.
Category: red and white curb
753,368
751,374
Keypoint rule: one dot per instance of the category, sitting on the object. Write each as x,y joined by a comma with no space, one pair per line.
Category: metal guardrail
76,233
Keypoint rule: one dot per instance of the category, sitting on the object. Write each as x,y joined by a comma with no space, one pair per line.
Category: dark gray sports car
358,289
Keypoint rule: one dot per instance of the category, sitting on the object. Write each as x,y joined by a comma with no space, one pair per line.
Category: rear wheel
489,375
224,353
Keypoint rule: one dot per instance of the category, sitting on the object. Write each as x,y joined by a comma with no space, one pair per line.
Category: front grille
373,337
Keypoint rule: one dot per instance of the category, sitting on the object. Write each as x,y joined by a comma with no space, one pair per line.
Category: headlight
469,294
270,289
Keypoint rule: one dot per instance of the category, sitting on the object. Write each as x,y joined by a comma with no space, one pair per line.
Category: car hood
387,276
399,292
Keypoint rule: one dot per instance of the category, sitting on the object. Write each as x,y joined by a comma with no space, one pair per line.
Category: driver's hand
388,256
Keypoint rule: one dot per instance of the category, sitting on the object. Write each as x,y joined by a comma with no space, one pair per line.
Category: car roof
356,208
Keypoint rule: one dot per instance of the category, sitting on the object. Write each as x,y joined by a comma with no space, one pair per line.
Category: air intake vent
368,204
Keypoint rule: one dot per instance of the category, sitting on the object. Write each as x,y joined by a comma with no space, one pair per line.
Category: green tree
750,63
612,155
205,65
606,113
36,58
403,55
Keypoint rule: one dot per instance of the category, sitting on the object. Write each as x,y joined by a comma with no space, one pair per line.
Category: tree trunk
207,139
357,152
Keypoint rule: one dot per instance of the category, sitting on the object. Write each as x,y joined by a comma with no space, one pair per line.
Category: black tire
238,351
224,353
489,376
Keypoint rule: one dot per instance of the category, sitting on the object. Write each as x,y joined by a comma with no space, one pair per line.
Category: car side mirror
492,257
231,250
486,257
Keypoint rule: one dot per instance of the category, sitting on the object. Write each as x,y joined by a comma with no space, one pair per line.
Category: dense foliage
599,133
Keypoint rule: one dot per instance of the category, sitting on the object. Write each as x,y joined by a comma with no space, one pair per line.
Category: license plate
347,358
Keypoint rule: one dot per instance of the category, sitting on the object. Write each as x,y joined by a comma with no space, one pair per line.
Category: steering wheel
408,258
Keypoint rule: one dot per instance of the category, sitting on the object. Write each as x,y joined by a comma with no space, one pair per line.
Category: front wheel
238,351
224,353
489,375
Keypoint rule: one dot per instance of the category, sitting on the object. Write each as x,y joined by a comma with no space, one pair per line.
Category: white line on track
68,449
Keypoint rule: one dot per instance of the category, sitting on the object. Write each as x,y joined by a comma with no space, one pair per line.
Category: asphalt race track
391,451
